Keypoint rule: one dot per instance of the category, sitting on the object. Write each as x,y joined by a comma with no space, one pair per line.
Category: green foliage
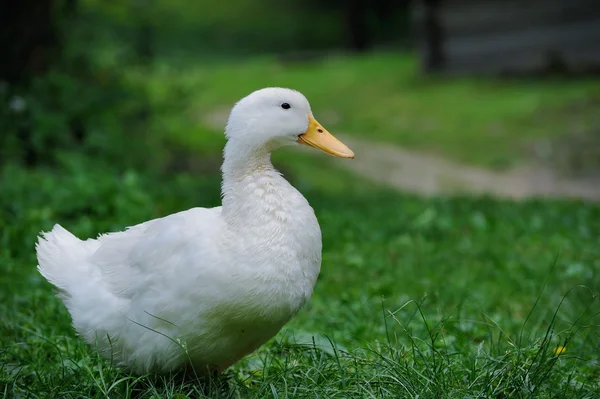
53,114
209,28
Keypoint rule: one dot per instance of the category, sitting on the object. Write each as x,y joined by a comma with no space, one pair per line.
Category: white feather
203,286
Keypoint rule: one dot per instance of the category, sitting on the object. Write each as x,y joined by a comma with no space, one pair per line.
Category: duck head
274,117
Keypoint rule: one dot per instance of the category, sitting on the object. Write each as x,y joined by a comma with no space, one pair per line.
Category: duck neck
249,178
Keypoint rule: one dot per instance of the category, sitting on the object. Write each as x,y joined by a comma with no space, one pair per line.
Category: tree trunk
356,23
29,39
433,36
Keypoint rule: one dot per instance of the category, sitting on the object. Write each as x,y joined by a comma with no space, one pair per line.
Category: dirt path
431,175
428,174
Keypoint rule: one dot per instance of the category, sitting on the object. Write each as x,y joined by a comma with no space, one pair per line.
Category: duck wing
140,257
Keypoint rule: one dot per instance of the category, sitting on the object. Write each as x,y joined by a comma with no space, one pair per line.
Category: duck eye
286,106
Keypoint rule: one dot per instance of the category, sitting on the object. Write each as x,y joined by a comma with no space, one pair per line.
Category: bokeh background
488,84
461,246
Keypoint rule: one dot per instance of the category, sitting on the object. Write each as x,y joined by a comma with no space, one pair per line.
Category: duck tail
60,258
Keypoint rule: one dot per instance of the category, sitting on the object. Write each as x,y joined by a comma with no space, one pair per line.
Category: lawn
429,298
490,122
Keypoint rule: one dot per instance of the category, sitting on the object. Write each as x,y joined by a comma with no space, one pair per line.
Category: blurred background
466,96
112,113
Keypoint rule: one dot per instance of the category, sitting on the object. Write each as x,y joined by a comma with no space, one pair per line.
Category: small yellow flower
560,350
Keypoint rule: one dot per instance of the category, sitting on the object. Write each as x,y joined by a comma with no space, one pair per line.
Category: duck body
202,287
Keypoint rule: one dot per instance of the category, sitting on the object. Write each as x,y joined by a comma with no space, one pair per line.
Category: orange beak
316,136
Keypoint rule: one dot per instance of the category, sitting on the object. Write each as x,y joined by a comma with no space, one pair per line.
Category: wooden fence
508,36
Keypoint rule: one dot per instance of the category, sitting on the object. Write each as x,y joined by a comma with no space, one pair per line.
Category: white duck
203,287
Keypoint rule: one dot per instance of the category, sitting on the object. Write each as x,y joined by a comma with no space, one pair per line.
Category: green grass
381,97
417,298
